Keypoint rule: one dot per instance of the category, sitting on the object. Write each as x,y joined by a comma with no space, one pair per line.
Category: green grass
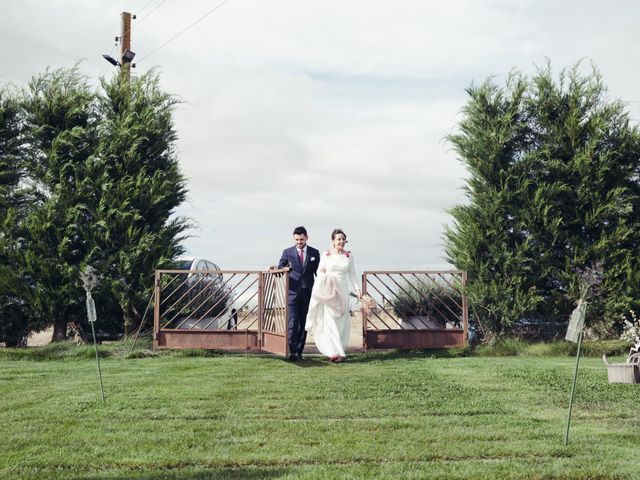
512,346
402,415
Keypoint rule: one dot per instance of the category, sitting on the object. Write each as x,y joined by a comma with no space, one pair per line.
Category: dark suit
301,279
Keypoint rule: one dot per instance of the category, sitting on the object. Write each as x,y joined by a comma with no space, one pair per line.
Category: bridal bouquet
368,305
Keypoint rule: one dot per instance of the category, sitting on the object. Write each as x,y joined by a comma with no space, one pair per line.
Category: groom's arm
284,261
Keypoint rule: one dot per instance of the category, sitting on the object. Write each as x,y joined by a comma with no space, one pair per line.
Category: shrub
437,301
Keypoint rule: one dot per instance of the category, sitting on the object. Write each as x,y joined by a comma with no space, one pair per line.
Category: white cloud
324,114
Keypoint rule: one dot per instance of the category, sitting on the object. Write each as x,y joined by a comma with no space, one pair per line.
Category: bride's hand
323,269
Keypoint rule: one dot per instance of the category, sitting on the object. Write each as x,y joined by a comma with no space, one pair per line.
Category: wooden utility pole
125,45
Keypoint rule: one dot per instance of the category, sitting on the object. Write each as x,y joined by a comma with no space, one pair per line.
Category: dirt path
38,339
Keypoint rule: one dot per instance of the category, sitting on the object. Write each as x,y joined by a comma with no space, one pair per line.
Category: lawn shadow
223,473
308,362
380,356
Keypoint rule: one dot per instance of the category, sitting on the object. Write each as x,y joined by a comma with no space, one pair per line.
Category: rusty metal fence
247,310
415,309
221,309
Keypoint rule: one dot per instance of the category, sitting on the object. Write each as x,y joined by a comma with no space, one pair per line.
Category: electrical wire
104,67
103,70
139,21
150,13
142,9
184,30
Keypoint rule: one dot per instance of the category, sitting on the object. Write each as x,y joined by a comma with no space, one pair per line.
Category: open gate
273,332
415,309
247,310
221,309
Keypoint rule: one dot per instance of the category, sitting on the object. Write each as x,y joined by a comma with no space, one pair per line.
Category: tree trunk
59,331
16,341
131,320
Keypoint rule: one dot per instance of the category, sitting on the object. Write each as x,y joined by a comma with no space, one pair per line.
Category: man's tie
301,257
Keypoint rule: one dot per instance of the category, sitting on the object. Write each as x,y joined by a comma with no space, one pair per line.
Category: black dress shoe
300,357
294,357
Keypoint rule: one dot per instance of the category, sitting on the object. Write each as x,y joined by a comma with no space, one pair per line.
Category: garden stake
95,345
573,390
89,281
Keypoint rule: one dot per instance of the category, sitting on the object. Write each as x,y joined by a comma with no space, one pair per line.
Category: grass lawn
383,416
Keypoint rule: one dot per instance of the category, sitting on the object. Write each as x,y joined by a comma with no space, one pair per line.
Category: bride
328,319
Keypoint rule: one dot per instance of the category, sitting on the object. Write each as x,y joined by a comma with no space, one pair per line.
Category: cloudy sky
326,114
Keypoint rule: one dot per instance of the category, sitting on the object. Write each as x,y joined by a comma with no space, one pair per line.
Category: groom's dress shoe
294,357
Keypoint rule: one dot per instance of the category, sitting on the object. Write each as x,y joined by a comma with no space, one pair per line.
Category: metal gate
221,309
273,331
247,310
415,309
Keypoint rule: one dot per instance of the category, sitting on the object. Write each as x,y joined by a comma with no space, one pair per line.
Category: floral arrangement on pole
90,278
589,279
631,333
89,281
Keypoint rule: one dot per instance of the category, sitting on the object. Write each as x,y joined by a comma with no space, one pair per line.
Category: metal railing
427,301
219,301
230,309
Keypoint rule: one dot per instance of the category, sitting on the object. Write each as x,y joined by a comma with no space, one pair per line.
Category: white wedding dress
328,319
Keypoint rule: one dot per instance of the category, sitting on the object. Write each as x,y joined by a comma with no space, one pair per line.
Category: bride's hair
336,232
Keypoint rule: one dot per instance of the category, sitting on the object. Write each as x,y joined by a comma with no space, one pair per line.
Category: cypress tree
140,188
553,188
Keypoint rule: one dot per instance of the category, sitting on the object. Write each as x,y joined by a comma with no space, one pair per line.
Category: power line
103,70
142,9
149,14
145,17
184,30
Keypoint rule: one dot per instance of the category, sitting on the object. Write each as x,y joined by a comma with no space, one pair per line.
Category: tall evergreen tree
553,187
86,178
141,186
60,126
16,313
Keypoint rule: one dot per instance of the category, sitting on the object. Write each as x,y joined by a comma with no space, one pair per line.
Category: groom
302,260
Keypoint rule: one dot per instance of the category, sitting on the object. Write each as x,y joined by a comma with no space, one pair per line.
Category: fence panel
415,309
215,309
274,314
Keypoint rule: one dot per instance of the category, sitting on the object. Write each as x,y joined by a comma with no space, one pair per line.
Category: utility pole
125,46
126,55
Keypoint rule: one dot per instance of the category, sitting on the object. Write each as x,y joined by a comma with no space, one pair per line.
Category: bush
54,351
198,296
437,301
68,350
514,346
505,347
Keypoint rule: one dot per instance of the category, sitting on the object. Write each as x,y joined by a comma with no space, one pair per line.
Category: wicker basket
628,372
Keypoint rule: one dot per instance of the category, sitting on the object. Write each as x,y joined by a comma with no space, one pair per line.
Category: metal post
465,310
363,314
573,389
95,345
156,311
260,307
286,314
